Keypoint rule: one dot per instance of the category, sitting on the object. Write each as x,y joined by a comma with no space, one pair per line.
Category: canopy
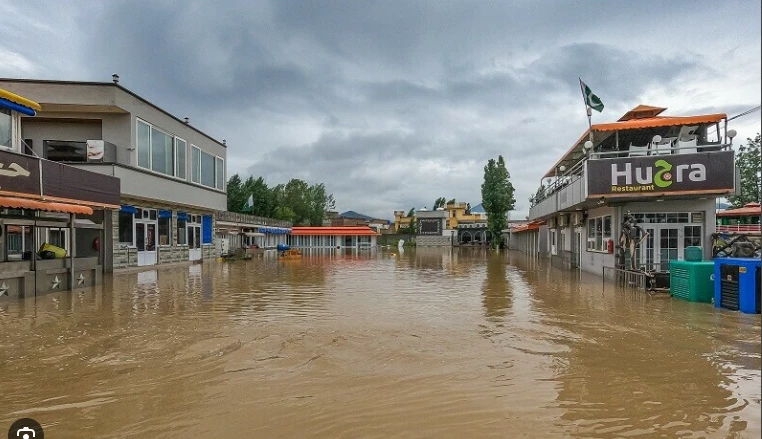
24,203
18,103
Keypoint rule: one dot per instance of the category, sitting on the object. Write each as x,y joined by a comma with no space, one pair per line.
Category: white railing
740,228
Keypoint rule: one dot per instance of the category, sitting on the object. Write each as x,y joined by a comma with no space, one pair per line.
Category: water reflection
425,342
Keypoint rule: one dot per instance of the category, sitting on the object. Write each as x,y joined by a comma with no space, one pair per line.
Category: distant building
333,237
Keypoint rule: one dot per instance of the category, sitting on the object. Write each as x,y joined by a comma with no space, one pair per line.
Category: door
669,246
145,241
194,242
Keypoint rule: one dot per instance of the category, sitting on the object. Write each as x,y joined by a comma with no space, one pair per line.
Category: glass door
194,238
145,241
669,246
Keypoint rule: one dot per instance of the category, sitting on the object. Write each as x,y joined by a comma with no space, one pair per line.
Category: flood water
438,343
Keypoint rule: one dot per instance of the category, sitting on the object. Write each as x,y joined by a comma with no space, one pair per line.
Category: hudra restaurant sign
657,174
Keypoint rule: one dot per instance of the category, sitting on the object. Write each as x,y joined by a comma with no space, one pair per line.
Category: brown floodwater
438,343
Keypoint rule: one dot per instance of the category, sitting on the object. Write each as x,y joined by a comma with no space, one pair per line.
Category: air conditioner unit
552,223
576,219
562,221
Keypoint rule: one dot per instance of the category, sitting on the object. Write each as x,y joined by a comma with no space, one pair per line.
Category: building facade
349,237
665,172
172,174
53,217
238,230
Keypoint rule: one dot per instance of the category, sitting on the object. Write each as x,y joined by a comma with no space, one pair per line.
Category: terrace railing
243,218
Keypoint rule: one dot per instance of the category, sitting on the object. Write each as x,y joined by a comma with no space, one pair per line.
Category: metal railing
740,228
636,280
243,218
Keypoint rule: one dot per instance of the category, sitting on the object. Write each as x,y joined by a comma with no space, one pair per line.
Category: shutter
206,229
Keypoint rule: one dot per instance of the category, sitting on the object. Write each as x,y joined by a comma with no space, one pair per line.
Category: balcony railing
242,218
740,228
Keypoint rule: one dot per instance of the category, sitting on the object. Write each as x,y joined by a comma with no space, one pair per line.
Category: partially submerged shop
659,174
345,237
52,221
239,230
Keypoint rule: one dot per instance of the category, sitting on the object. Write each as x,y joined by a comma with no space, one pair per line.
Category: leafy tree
237,194
440,202
452,201
264,202
497,197
748,161
411,212
285,213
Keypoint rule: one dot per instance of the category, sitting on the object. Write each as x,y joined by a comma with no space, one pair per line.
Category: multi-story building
665,171
172,174
52,216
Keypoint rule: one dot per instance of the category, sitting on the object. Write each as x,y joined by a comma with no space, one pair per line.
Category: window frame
174,138
11,127
196,178
596,231
132,229
7,235
46,156
178,164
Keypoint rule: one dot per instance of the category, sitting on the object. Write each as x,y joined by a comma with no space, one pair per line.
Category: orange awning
658,121
748,209
23,203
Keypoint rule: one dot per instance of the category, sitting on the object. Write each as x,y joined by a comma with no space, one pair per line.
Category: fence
636,280
242,218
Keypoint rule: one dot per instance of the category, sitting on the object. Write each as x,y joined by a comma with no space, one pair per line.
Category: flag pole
588,110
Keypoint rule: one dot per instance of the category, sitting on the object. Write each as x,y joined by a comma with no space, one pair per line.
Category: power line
746,112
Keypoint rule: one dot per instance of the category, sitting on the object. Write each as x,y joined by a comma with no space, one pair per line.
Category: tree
440,202
411,212
748,162
237,195
452,201
264,202
497,197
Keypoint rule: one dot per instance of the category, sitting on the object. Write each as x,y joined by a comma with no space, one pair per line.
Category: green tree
237,195
264,203
452,201
497,197
411,212
285,213
748,162
439,202
319,202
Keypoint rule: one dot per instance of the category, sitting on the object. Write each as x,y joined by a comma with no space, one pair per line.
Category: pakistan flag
591,99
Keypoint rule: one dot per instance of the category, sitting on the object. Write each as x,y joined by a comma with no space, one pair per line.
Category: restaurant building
347,237
53,217
172,174
666,171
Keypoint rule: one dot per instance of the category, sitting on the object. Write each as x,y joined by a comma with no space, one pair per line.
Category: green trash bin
693,254
692,281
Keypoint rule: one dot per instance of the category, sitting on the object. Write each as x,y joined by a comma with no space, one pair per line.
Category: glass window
195,165
692,236
207,169
58,237
125,228
181,234
144,145
181,162
162,152
63,151
19,242
165,231
220,174
6,125
598,233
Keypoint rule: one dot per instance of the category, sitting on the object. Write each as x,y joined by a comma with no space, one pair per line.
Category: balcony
242,218
603,177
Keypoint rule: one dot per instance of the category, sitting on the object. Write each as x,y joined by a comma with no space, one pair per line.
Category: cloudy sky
393,104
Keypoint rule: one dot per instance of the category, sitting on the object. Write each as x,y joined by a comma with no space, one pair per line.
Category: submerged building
666,171
54,218
172,174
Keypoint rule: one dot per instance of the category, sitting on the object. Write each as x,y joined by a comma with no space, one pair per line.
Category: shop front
52,222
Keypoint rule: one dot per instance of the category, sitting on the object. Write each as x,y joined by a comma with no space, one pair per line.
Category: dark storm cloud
395,103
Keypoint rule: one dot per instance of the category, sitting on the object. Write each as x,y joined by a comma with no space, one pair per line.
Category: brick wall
433,241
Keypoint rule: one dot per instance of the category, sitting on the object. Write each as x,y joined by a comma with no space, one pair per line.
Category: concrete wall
433,241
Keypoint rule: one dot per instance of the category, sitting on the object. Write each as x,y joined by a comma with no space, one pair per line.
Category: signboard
429,226
19,173
661,174
59,180
95,150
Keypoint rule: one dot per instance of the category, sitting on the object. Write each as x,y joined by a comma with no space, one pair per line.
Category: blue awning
5,103
128,209
165,214
182,216
274,230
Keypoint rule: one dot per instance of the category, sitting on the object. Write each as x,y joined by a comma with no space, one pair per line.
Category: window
195,165
207,169
28,147
220,174
125,228
157,151
598,233
181,161
6,125
165,230
63,151
144,145
58,237
182,237
19,242
691,236
162,152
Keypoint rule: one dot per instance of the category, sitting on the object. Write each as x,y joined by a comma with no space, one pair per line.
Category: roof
120,87
354,215
747,209
479,208
526,227
639,118
342,230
